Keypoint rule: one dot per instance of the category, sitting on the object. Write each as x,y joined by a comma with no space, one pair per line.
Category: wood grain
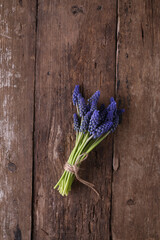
17,47
75,42
75,45
136,192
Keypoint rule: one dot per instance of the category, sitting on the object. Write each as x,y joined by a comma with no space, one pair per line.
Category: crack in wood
33,134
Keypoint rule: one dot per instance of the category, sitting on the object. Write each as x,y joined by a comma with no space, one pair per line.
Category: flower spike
75,94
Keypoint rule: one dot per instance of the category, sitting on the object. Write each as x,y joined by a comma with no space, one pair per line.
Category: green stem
89,148
85,141
73,151
79,151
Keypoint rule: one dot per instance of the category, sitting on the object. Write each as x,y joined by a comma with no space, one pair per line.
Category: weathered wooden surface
75,44
17,26
46,47
136,178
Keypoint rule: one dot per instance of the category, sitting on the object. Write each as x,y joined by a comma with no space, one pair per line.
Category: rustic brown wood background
46,47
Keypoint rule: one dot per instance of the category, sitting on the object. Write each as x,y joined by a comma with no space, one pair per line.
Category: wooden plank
75,44
136,192
17,31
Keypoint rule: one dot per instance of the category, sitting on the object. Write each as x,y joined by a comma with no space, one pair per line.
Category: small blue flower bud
82,105
117,118
85,122
93,105
95,97
75,94
76,122
94,121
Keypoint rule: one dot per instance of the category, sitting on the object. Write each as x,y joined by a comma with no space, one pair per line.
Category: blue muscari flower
113,105
111,110
112,99
94,122
115,123
92,101
117,119
95,97
75,94
85,122
110,115
102,129
76,122
79,96
93,105
81,105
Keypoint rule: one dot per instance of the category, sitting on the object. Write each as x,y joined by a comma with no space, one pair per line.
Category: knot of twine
75,168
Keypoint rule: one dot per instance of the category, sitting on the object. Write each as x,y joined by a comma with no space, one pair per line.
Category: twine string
75,168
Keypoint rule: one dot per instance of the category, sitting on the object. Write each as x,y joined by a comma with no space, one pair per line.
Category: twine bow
75,168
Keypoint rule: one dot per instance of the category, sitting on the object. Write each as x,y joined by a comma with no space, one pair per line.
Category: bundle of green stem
91,126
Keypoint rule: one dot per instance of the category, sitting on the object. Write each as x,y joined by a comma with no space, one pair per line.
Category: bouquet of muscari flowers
92,125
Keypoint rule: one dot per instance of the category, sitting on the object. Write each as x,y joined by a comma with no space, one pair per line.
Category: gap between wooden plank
116,68
33,136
